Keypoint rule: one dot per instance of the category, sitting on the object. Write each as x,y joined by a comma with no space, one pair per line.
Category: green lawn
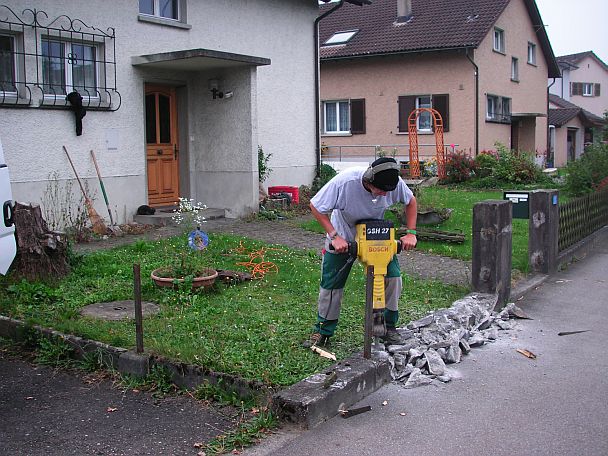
462,202
253,329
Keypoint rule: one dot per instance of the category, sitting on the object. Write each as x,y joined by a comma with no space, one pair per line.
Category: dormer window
340,38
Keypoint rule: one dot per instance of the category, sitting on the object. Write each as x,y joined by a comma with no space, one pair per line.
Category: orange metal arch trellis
412,126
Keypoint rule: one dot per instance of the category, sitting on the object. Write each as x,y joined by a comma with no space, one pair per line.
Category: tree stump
41,254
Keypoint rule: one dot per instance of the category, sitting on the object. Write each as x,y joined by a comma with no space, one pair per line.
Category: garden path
287,232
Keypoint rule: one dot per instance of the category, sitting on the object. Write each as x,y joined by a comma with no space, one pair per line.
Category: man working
358,194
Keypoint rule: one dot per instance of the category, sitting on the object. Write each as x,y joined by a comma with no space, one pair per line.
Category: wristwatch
333,235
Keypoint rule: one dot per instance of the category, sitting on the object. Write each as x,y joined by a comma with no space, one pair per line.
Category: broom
98,226
103,189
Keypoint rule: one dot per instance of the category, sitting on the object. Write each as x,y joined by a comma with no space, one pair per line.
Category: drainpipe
476,101
318,85
548,129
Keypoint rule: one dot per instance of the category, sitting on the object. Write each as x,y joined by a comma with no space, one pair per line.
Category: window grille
51,58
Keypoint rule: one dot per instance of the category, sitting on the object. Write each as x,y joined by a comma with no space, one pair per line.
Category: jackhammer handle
352,248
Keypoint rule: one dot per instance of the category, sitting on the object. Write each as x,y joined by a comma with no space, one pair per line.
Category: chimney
404,10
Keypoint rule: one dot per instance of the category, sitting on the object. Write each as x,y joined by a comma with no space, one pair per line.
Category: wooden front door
161,146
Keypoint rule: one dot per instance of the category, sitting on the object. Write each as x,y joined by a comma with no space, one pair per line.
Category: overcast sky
576,26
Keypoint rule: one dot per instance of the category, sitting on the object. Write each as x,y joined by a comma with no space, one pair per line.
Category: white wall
274,105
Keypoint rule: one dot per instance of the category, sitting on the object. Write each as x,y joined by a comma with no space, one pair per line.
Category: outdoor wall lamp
214,86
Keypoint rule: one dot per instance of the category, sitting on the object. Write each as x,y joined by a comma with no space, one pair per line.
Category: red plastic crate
293,191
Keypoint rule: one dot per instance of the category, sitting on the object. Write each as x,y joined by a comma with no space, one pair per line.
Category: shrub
326,172
263,169
589,172
459,167
516,167
486,161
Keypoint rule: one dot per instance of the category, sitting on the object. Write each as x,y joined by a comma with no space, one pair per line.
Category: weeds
159,381
64,210
55,353
247,433
219,393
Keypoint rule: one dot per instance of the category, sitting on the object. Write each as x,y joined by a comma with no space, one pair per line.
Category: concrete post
543,231
492,249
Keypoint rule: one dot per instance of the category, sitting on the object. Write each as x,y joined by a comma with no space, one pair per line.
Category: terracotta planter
206,280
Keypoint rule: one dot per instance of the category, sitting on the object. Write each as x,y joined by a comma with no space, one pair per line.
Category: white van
8,248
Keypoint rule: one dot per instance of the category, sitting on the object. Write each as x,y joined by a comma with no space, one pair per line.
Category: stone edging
130,362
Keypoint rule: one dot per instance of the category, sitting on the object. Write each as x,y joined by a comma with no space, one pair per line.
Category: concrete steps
162,216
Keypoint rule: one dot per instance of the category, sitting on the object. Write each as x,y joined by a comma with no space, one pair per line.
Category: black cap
387,179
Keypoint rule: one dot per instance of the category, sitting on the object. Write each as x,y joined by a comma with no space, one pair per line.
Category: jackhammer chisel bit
379,328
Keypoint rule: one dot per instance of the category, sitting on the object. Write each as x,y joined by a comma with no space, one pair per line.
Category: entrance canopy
196,60
519,115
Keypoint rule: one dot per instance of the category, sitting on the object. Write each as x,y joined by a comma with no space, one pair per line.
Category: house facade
178,97
571,129
584,82
481,64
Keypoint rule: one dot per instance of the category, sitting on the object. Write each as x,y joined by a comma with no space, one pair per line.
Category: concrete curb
129,362
318,398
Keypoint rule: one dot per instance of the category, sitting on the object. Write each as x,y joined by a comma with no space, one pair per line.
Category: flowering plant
188,260
190,212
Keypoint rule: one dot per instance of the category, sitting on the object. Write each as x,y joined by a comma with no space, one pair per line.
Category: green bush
263,169
326,172
516,167
486,161
459,167
589,172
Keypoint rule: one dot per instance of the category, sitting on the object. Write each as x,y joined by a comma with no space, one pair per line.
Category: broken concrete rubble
444,336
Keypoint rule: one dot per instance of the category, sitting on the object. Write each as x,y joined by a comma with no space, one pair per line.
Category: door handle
175,151
7,213
159,151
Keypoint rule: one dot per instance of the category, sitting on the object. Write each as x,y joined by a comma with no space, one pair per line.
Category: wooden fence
580,217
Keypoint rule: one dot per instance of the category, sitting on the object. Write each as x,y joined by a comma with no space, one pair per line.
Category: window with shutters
585,89
344,117
407,104
498,109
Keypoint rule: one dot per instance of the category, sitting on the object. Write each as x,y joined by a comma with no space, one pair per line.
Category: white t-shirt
351,202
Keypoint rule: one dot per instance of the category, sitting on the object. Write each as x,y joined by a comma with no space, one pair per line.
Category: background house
571,129
179,94
482,64
584,82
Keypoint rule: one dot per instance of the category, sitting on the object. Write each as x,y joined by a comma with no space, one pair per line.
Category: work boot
317,339
392,337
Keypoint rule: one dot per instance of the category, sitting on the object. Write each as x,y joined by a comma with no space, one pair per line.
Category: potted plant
189,263
184,269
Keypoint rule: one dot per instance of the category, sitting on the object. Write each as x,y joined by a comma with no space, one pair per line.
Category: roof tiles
440,24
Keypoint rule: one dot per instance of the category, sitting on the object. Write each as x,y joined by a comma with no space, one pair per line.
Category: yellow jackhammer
375,246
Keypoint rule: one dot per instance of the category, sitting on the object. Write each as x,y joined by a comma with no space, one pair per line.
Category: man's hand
340,245
408,242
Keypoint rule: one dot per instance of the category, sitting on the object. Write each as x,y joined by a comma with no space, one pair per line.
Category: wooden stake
139,328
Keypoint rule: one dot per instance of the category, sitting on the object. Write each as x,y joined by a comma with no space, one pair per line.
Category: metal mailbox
521,203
